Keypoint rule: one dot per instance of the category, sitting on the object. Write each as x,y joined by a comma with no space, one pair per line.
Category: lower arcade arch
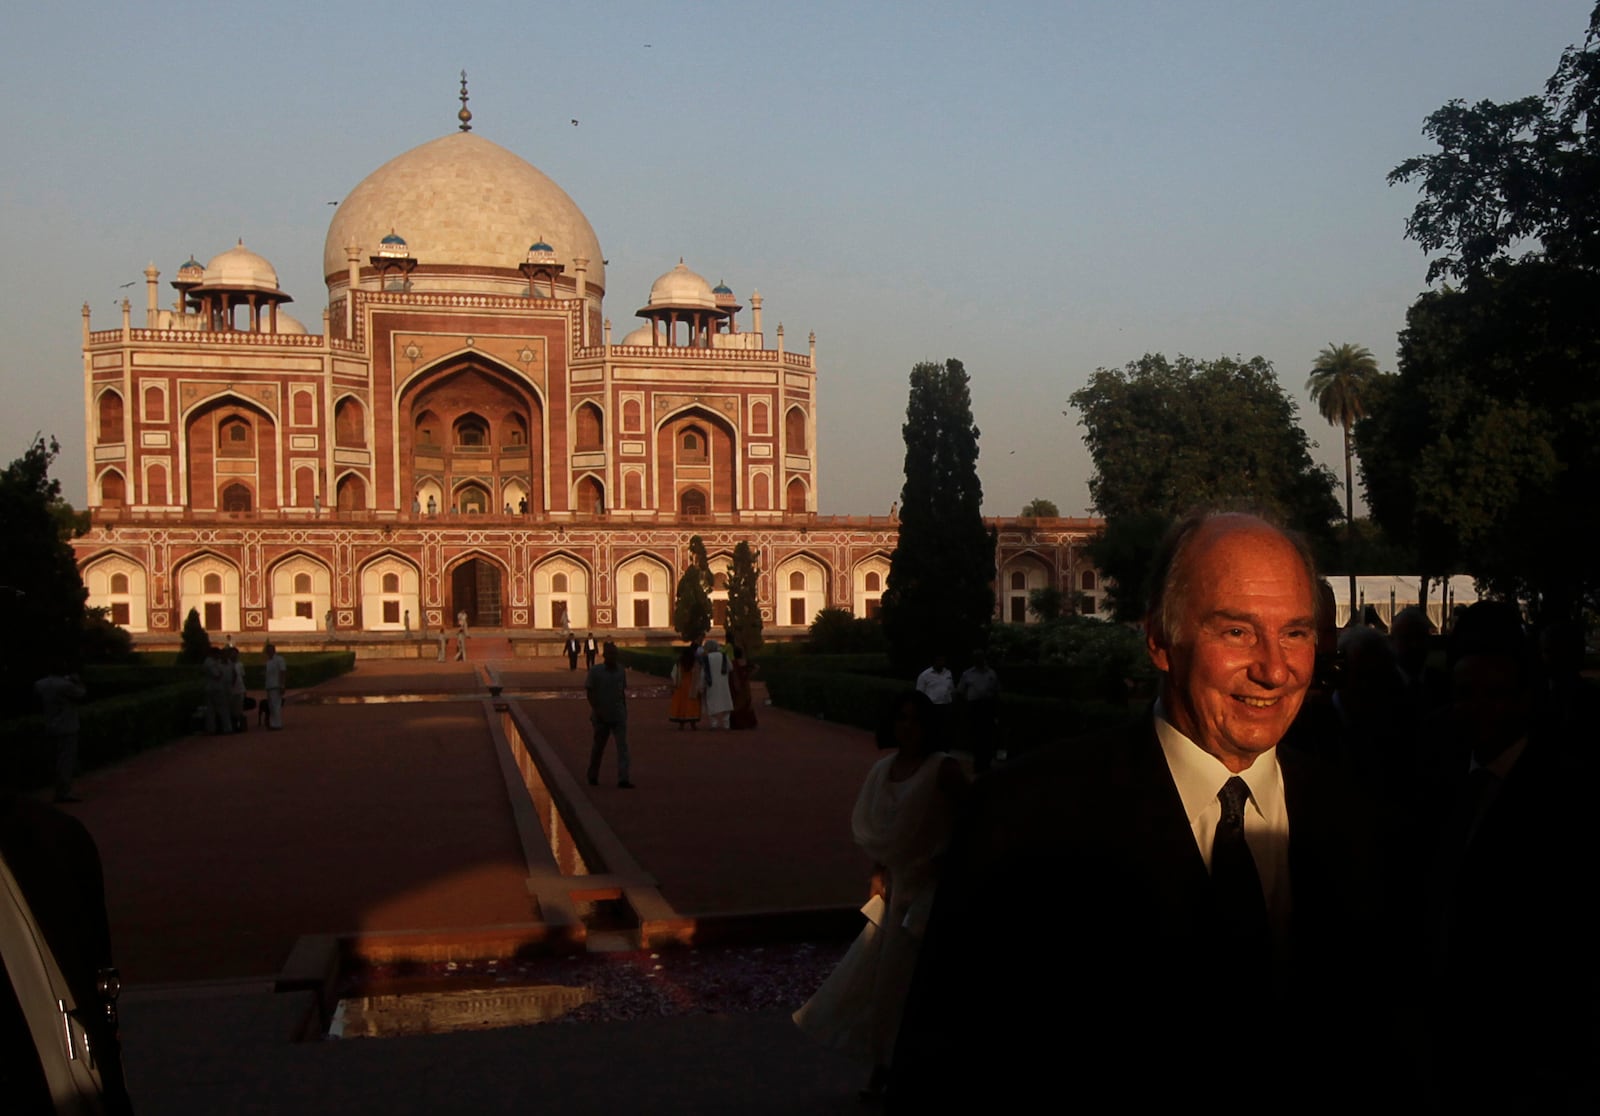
390,600
302,593
477,587
644,593
560,594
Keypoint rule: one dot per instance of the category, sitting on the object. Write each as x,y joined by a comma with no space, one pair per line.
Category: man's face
1238,665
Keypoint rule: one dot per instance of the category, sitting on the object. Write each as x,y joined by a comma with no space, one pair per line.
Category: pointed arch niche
473,421
695,451
301,594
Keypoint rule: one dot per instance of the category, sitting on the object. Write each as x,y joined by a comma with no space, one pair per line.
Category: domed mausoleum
463,436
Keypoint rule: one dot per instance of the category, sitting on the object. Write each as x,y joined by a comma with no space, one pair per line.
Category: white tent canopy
1388,594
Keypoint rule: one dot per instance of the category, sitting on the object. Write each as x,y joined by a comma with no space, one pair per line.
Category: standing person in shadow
902,819
688,683
1124,921
1509,1002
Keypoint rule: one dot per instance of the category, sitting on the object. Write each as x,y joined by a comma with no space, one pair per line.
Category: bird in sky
127,284
574,123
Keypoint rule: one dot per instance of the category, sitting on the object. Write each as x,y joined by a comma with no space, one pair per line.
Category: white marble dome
288,323
682,289
465,201
239,269
640,336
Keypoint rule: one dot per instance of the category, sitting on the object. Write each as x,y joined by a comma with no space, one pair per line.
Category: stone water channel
436,998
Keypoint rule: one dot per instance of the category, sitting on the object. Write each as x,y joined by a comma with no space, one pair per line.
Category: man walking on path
276,672
590,647
571,650
59,693
606,687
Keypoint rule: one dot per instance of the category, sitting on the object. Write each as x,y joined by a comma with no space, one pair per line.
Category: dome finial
465,115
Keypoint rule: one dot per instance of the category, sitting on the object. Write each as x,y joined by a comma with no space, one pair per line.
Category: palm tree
1338,377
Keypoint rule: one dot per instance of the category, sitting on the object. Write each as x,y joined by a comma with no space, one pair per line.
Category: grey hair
1171,574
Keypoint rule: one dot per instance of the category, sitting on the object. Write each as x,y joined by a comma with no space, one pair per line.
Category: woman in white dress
902,820
719,698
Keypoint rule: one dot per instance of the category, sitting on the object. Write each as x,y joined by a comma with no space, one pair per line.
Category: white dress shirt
1199,776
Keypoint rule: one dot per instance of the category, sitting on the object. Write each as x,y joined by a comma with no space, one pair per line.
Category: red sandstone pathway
220,851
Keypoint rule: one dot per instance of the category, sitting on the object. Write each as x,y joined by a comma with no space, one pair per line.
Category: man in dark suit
1122,917
1509,862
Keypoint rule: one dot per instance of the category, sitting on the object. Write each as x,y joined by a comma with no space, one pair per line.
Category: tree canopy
41,592
1170,435
1482,451
1039,508
744,609
1513,175
691,607
940,593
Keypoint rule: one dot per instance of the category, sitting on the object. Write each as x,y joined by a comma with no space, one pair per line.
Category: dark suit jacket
1507,933
1071,950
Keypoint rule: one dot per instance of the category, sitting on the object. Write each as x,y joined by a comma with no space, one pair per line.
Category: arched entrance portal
476,589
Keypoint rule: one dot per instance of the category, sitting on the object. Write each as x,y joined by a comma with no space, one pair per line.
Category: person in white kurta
719,697
902,820
275,675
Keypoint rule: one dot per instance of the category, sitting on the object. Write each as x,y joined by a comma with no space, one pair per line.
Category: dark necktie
1235,886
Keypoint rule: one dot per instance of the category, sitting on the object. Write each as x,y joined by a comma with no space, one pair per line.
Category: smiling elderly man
1172,912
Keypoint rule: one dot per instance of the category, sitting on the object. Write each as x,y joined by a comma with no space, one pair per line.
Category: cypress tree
940,595
744,610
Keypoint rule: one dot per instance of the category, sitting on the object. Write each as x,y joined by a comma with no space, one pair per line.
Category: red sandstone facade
463,435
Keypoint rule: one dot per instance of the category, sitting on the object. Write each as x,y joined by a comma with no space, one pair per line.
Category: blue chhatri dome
395,240
722,288
540,246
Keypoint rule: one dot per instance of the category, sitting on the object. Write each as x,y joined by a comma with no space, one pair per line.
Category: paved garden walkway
221,851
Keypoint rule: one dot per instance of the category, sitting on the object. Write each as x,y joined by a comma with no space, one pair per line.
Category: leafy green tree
744,608
691,608
940,592
41,592
1485,448
1170,435
195,640
1510,175
1038,508
1046,603
1339,378
838,631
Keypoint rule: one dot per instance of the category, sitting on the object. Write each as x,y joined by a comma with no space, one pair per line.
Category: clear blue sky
1037,189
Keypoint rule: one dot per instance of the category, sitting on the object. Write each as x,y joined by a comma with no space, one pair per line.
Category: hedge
133,708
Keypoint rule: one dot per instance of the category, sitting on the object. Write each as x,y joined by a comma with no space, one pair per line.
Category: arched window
719,582
391,583
473,499
797,581
558,583
632,417
470,430
641,583
514,431
590,428
155,485
591,497
692,446
1087,581
113,490
155,404
874,582
351,495
692,502
761,492
236,498
796,501
302,583
305,487
110,418
304,409
119,583
1019,580
233,438
794,430
759,419
349,423
212,583
632,491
